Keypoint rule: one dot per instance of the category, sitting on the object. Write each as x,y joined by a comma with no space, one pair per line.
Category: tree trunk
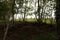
12,9
24,15
39,12
7,23
36,16
35,13
7,26
58,18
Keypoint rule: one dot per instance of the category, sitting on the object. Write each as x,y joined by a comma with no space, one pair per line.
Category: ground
29,31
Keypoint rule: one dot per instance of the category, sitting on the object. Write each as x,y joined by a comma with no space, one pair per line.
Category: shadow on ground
29,31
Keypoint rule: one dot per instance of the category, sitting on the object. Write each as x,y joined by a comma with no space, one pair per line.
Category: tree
58,18
38,10
12,9
24,10
3,9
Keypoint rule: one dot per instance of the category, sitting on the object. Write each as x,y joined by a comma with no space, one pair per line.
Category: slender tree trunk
7,23
7,26
24,12
38,12
24,15
13,4
58,18
36,16
35,12
39,17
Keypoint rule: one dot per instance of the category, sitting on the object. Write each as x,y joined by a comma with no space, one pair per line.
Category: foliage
29,7
3,9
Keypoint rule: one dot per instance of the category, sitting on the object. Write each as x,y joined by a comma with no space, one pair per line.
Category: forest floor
29,31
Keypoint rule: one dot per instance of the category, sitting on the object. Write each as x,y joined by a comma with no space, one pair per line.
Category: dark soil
28,31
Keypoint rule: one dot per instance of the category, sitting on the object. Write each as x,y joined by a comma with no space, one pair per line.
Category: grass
48,21
31,20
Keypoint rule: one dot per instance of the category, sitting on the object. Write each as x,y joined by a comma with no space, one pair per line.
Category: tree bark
58,18
7,27
39,19
12,9
24,15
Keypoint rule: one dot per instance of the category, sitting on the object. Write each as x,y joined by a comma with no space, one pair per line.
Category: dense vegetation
28,20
